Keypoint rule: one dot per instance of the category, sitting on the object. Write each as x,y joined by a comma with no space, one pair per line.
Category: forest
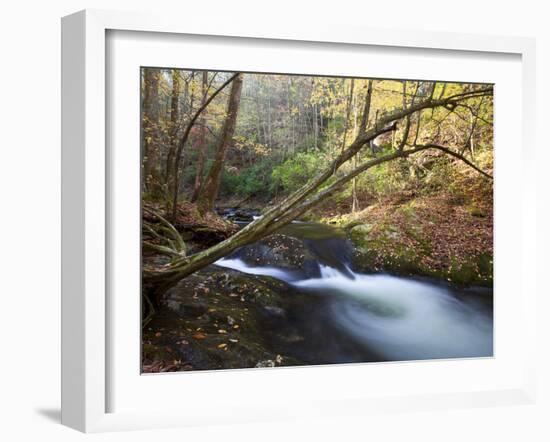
305,220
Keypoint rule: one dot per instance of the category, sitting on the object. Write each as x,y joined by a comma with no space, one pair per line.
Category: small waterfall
241,266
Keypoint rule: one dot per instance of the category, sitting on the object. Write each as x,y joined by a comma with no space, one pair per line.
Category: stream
336,315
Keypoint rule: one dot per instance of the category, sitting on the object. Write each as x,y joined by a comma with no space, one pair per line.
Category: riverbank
439,235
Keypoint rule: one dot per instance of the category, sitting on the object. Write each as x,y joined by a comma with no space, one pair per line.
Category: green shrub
297,171
253,180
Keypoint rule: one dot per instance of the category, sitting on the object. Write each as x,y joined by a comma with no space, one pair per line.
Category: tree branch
176,245
456,155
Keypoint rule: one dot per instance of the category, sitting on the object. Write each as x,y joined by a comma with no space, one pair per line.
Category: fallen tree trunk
159,280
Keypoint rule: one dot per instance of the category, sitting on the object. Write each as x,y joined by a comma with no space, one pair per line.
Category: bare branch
176,244
456,155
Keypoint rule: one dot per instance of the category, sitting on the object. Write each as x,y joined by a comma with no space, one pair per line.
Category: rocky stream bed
305,296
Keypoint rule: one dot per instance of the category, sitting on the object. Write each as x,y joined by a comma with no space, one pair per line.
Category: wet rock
238,214
280,251
173,305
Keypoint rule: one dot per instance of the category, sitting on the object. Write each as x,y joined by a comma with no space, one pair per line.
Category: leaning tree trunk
209,191
308,196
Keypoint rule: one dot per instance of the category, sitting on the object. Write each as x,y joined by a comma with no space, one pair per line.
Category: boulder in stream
281,251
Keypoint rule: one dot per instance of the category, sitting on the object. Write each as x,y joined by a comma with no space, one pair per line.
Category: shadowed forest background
256,186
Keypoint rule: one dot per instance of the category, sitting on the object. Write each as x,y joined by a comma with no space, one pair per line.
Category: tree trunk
354,199
151,132
366,110
407,120
348,111
209,192
174,123
201,154
362,129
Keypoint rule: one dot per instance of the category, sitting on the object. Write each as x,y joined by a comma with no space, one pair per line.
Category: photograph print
302,220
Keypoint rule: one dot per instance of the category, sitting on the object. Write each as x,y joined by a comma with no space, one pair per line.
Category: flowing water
340,315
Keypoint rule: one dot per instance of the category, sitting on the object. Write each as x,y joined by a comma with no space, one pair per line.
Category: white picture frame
85,237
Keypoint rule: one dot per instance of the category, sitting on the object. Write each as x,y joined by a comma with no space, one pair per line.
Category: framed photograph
283,222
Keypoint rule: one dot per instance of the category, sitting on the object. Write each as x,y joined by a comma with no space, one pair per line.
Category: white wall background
30,215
